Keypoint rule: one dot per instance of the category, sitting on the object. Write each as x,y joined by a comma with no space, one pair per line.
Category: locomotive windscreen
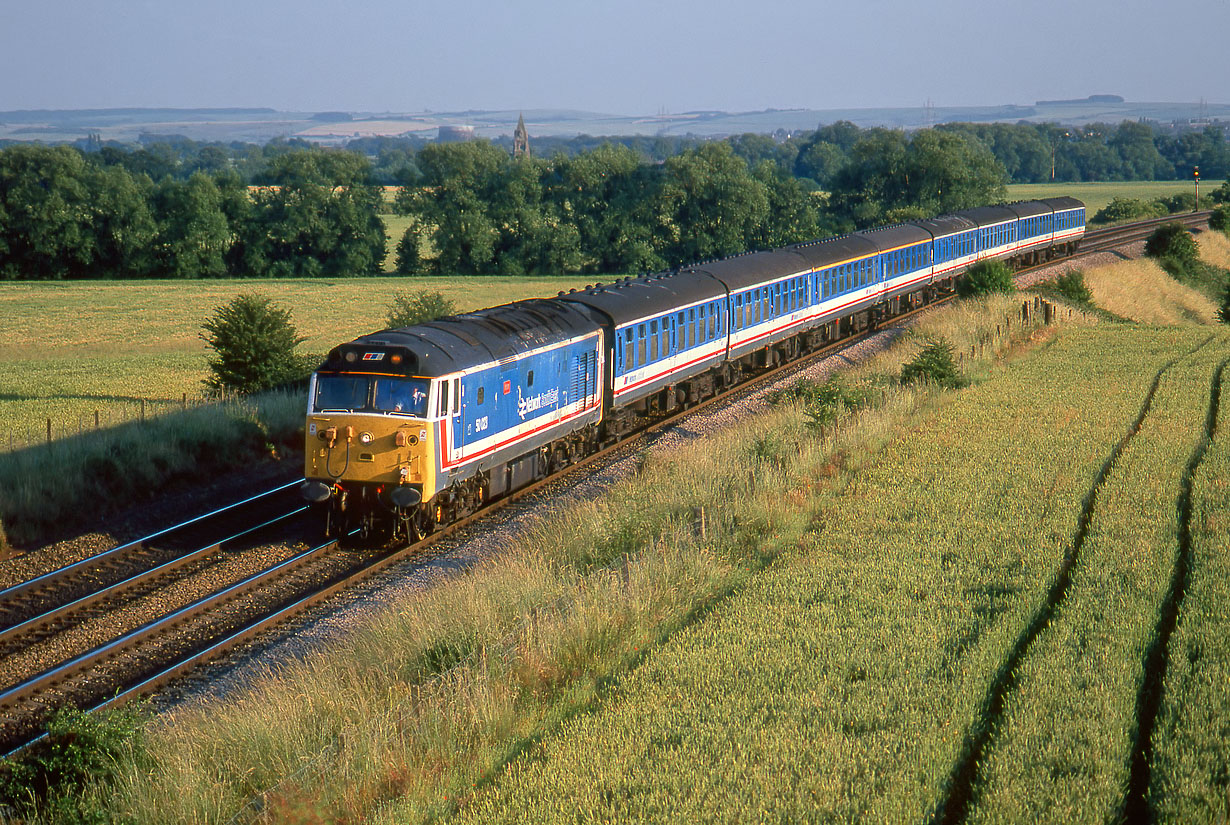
356,393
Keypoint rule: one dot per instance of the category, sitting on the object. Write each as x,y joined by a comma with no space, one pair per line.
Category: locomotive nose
314,491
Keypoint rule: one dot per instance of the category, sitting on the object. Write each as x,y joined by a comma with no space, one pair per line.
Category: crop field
867,673
68,350
1097,195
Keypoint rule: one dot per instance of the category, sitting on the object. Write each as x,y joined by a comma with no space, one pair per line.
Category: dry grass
1143,292
1214,248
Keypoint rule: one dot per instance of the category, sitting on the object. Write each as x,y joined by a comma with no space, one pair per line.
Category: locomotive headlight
365,438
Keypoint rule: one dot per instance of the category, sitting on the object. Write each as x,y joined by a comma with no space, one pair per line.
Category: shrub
1071,285
824,403
985,278
1172,241
254,342
1182,202
1223,315
406,310
1220,219
1128,209
79,747
934,363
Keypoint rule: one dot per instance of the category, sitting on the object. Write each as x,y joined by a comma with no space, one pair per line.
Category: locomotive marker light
365,438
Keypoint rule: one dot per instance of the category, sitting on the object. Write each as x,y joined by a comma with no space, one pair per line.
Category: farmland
1097,195
844,681
70,349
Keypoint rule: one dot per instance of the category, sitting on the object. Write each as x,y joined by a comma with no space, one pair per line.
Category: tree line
639,204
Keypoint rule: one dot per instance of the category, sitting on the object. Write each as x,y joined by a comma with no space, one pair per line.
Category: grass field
70,349
1097,195
842,683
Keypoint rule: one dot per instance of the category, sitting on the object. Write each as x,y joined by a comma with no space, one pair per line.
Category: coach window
712,321
666,341
628,350
640,345
480,395
529,379
653,341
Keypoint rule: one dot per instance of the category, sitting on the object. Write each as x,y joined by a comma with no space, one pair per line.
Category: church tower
521,140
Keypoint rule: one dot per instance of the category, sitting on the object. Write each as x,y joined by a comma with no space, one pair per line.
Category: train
413,428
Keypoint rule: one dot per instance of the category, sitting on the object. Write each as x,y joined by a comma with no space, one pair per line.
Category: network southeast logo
525,406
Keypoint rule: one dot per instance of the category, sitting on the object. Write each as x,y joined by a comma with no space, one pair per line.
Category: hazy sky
627,57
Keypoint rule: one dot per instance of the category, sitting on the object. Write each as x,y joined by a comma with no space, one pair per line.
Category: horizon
630,59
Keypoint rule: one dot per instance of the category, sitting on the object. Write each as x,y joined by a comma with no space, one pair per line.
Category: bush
79,747
1128,209
934,364
1071,285
1172,241
1223,314
985,278
406,310
824,403
1220,219
254,342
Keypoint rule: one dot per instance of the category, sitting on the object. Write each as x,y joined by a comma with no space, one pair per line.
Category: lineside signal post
1196,177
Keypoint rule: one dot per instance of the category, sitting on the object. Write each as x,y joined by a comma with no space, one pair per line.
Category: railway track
140,660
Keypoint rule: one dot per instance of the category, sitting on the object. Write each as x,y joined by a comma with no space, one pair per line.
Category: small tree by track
985,278
406,310
254,344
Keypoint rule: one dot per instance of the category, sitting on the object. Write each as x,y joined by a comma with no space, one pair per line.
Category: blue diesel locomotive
412,428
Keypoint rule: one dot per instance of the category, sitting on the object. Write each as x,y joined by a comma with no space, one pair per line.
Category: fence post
184,401
142,410
48,430
96,419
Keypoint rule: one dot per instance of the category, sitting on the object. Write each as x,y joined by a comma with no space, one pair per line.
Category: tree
452,204
194,235
254,345
47,230
318,214
406,310
709,205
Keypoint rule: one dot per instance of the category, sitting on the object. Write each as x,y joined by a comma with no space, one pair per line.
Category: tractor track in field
963,780
1137,808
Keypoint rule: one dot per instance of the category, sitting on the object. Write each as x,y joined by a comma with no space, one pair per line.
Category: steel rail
61,613
53,577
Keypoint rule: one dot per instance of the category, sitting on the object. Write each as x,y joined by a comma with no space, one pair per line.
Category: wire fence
29,431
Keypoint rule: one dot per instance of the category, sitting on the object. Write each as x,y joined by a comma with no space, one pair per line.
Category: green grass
1097,195
418,712
840,683
1064,747
70,349
1191,778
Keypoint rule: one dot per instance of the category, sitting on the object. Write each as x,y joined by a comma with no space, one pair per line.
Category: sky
631,57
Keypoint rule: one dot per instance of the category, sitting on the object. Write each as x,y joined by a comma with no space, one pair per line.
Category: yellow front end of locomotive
370,449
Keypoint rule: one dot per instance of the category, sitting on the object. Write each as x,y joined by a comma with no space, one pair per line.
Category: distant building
521,139
455,134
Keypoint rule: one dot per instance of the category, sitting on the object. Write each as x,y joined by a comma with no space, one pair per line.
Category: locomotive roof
630,299
457,342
